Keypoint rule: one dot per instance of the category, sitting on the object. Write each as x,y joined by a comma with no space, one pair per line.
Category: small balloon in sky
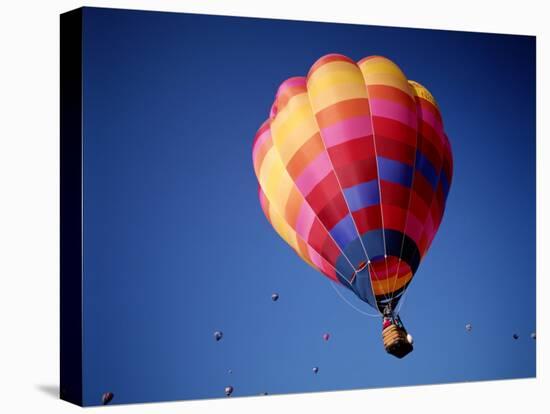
107,397
218,335
326,336
230,371
264,393
515,336
533,335
228,390
275,297
315,370
469,327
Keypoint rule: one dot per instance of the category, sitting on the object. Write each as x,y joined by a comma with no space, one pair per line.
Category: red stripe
395,150
330,250
394,194
351,151
418,207
357,172
368,218
334,211
395,129
325,190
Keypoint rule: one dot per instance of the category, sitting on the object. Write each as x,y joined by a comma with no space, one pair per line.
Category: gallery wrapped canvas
259,206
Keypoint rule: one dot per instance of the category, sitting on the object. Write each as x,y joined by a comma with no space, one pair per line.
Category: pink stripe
414,228
322,263
393,110
305,221
347,130
291,82
430,118
330,272
313,174
429,230
316,259
260,141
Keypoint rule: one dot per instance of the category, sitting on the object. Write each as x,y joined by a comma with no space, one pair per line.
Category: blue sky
176,246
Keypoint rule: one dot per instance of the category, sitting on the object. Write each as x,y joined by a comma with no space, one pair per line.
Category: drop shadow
49,389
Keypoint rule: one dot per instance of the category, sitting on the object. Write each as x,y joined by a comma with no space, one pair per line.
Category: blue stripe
344,231
362,195
394,171
444,184
426,168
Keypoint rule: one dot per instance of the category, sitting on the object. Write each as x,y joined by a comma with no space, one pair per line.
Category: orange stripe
342,110
305,155
386,287
392,94
293,205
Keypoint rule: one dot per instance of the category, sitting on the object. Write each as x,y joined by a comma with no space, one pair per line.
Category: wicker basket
395,341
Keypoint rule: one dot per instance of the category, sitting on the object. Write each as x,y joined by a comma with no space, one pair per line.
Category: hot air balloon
275,297
218,335
315,370
107,397
515,336
533,335
326,336
354,168
228,391
469,327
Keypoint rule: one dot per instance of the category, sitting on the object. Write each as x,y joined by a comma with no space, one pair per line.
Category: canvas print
253,207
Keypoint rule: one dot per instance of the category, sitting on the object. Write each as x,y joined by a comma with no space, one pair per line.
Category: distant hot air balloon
315,370
326,336
515,336
275,297
107,397
218,335
354,168
228,390
468,327
533,335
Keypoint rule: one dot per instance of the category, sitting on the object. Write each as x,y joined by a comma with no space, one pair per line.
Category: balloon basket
396,342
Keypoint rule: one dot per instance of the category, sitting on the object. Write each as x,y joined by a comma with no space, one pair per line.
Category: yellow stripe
380,65
266,166
332,96
334,66
387,80
335,82
290,132
277,185
421,91
283,229
334,79
296,139
292,115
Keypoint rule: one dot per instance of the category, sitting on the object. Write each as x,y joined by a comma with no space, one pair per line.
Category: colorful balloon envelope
354,168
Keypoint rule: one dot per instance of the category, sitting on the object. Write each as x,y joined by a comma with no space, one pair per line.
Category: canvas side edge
71,382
